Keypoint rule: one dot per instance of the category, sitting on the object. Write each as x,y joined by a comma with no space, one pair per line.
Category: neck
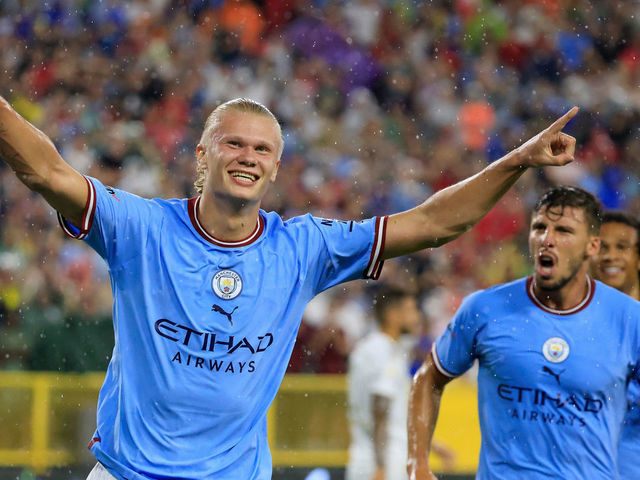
391,331
565,297
227,219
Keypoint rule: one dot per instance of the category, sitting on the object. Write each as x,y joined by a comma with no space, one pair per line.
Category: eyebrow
625,243
243,139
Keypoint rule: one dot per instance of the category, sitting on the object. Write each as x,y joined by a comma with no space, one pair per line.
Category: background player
618,262
555,350
188,387
379,383
618,265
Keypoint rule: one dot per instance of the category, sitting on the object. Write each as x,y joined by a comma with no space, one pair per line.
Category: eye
233,143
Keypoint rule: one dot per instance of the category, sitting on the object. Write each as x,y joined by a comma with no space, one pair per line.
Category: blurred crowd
382,103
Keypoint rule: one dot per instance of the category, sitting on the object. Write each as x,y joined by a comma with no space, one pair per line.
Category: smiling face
618,262
242,156
560,243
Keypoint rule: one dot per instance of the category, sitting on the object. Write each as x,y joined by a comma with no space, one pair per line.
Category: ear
593,247
201,157
275,172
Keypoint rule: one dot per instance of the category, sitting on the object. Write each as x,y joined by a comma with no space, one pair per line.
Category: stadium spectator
556,351
101,68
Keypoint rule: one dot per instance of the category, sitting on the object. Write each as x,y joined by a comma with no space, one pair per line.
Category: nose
548,240
246,158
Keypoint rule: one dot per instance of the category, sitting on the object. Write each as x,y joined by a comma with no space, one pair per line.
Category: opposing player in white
379,381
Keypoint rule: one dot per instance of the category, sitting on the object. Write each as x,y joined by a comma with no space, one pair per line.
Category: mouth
244,178
546,264
611,271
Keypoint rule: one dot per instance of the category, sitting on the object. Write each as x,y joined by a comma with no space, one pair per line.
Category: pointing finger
559,124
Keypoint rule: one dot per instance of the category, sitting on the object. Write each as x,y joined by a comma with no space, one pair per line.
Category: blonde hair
243,105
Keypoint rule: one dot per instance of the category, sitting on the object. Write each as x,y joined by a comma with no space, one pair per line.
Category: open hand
550,147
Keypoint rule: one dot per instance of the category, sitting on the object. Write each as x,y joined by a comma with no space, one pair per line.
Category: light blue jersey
204,329
629,451
551,384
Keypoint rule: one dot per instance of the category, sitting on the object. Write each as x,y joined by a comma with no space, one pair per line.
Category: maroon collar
591,290
192,207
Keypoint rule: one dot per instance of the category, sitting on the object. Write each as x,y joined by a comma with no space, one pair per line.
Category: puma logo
555,375
219,309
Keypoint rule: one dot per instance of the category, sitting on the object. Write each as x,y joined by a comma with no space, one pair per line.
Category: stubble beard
561,282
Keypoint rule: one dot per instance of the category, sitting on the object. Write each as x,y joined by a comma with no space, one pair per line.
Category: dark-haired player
556,351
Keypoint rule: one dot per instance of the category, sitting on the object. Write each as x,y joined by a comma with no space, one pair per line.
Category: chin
608,279
617,284
547,284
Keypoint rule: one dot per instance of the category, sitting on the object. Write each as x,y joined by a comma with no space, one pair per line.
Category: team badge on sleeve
227,284
555,349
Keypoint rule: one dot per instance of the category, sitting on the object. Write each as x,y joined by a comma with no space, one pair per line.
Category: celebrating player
209,291
555,350
618,265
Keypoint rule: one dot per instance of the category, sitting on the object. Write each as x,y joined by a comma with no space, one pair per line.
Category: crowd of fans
382,103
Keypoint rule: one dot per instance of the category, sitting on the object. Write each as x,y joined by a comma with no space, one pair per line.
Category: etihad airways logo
535,404
213,342
209,341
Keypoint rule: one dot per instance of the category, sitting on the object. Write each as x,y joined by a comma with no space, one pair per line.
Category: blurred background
382,103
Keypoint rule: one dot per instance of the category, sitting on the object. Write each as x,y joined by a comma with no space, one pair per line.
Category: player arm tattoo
381,406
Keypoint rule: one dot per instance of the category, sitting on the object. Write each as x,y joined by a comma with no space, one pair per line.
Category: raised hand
550,147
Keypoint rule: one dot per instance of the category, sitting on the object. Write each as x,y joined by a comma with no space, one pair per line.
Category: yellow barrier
47,419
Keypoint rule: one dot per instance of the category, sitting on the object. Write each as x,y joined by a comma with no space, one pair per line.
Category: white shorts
100,473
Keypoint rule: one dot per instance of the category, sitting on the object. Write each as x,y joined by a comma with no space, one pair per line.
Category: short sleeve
386,382
115,223
455,350
346,250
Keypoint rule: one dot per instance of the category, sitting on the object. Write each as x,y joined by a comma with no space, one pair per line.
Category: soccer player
209,291
555,350
618,262
379,383
618,265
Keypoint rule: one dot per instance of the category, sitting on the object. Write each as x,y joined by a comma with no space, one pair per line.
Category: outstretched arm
453,210
36,162
424,405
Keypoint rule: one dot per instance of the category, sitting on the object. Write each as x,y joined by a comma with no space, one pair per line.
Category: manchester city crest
226,284
555,349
